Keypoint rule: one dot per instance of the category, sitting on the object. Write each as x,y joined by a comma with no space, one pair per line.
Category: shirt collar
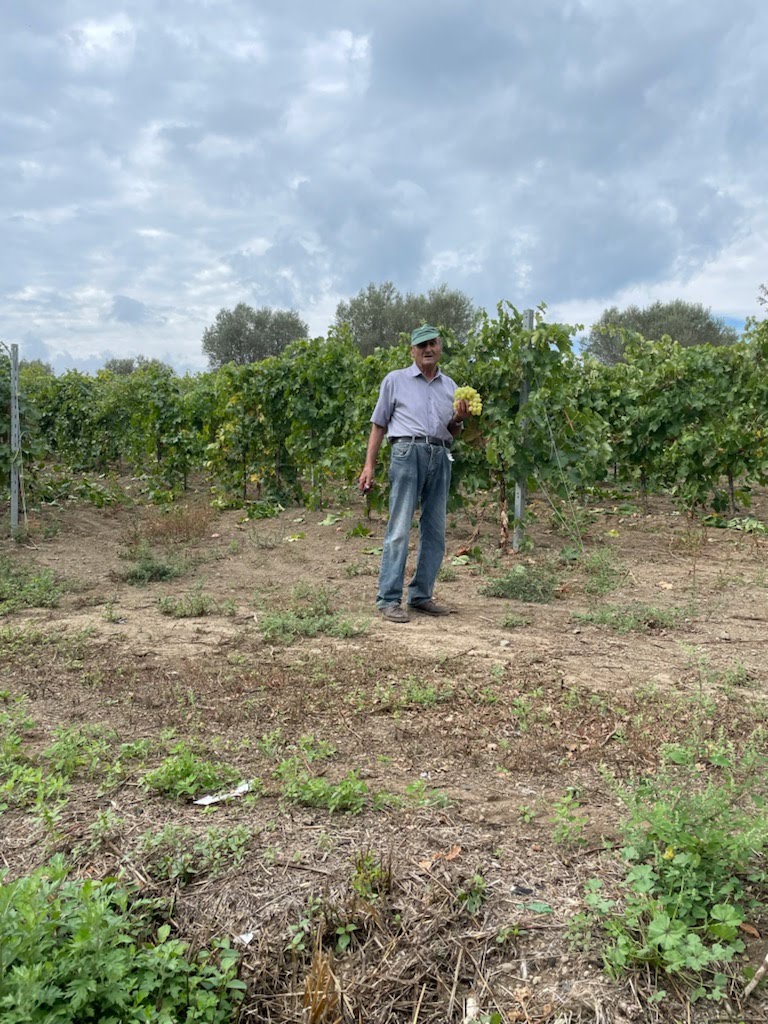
416,372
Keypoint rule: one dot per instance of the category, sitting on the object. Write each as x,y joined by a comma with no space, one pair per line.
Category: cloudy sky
163,159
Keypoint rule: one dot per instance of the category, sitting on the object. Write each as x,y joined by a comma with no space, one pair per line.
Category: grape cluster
471,397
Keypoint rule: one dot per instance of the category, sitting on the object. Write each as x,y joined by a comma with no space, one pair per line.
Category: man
415,412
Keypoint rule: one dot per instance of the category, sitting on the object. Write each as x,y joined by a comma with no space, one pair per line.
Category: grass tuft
309,614
530,583
27,587
633,618
195,605
148,567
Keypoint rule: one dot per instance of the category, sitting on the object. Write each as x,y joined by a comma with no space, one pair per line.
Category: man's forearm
375,440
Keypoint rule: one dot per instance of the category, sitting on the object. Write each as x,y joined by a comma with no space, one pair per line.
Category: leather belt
421,439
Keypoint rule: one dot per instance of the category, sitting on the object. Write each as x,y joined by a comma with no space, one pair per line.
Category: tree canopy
378,314
37,366
245,335
688,323
120,367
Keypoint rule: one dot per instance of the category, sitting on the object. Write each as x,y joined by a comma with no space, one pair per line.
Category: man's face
427,354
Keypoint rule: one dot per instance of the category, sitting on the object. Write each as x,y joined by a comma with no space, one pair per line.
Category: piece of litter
245,938
216,798
471,1010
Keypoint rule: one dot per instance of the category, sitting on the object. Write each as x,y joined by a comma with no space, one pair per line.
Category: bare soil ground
481,730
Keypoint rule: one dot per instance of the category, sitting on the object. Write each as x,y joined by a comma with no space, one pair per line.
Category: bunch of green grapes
471,397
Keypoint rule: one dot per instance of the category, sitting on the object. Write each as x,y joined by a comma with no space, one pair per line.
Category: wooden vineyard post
521,486
15,438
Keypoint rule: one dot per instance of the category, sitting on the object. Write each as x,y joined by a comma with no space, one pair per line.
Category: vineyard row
692,421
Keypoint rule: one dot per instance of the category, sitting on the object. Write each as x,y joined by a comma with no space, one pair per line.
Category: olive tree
244,335
378,314
688,323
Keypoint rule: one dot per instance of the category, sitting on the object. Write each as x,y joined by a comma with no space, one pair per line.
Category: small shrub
313,749
75,951
568,819
195,605
691,849
603,570
473,894
177,853
30,786
80,749
179,524
105,828
529,583
418,794
349,795
310,614
149,567
633,618
184,774
24,784
372,876
27,587
359,530
513,621
263,509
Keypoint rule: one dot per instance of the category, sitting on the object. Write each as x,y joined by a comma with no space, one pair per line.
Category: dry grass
179,524
516,730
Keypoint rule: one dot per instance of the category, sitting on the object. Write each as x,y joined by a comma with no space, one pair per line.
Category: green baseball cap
424,333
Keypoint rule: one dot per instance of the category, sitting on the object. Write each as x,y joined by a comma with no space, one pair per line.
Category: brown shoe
430,607
394,613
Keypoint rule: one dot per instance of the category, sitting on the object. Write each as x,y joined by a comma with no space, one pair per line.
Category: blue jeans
418,474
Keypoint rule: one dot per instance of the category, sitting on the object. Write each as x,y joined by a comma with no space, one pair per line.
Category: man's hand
365,480
461,412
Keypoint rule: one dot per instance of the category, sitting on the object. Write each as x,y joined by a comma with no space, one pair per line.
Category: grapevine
691,421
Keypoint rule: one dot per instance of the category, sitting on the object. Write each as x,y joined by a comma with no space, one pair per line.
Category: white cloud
49,216
581,152
108,43
84,96
223,147
336,71
256,246
154,233
249,49
35,169
727,284
338,63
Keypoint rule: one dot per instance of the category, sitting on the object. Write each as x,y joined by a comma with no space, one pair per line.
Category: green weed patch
27,587
632,618
73,952
195,605
185,775
693,851
529,583
310,614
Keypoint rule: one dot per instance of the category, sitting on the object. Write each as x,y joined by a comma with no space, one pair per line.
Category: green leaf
536,907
